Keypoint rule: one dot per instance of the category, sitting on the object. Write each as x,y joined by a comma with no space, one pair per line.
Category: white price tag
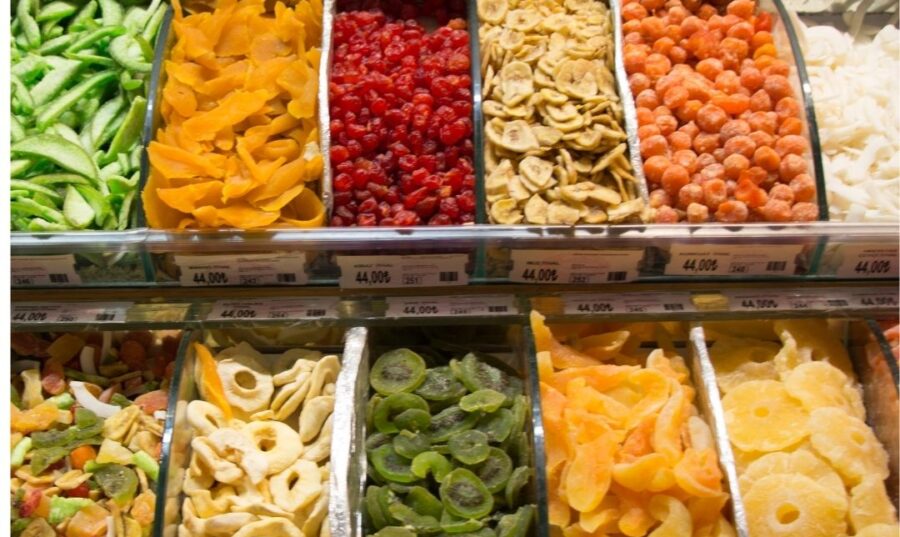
430,270
732,259
820,299
43,270
575,267
458,306
654,303
274,309
70,312
244,269
859,261
882,299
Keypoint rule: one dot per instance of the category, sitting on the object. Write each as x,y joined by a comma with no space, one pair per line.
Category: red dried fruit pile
720,128
401,125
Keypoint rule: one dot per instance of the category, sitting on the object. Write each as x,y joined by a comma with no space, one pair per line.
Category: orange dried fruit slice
820,384
558,510
761,416
675,517
590,472
648,472
667,430
793,505
848,444
600,377
604,346
698,473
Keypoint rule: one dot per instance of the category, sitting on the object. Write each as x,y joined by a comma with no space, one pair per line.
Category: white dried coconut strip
856,93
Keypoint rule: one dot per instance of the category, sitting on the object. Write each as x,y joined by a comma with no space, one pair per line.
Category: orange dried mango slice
590,473
239,141
698,473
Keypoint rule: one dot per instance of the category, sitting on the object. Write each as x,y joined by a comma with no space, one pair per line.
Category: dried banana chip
576,78
493,11
537,171
506,211
522,20
536,210
517,82
561,213
518,136
547,136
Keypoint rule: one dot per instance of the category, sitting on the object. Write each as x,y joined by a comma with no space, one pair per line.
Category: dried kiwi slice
377,517
517,480
486,400
497,425
494,472
469,447
392,406
440,385
391,466
453,524
396,371
409,444
370,411
450,421
395,531
413,419
424,502
431,462
477,375
421,524
465,495
516,525
483,532
377,440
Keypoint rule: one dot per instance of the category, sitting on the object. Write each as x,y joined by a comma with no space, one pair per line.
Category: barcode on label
59,278
449,276
286,277
497,309
105,316
673,307
617,276
837,303
776,266
315,313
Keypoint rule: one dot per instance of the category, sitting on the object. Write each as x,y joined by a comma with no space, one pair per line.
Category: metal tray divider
709,397
348,476
328,12
542,524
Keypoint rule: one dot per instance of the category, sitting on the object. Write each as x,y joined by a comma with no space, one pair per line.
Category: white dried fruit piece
315,519
235,447
547,136
313,416
537,171
222,470
247,387
325,372
517,136
493,11
510,40
270,527
494,109
306,363
291,396
320,449
561,213
554,97
536,210
517,190
522,20
563,112
576,78
296,486
278,442
204,417
506,211
211,502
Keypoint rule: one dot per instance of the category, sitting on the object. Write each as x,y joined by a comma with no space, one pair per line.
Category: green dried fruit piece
440,385
396,371
413,419
424,502
497,425
453,524
370,411
395,531
477,375
517,480
516,525
483,532
494,472
421,524
377,517
409,444
431,462
118,482
469,447
391,406
482,400
377,440
465,495
450,421
391,466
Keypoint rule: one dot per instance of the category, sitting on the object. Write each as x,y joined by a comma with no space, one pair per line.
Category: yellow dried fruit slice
848,444
820,384
793,505
802,462
517,83
576,78
790,355
649,472
493,11
870,505
761,416
590,473
816,337
739,360
675,517
880,530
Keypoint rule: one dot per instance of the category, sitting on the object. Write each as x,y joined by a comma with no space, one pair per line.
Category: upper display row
254,115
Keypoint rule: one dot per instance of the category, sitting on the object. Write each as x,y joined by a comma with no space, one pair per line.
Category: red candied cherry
339,154
466,201
450,207
366,220
454,132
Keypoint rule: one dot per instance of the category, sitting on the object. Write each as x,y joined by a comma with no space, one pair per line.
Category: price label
732,259
456,306
822,299
43,271
575,267
70,312
374,271
631,303
860,261
874,299
274,309
755,301
247,269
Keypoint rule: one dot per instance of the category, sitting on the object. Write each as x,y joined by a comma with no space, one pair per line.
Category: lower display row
755,428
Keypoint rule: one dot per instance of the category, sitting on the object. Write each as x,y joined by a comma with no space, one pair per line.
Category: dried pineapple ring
793,505
268,527
879,530
848,444
870,505
817,340
738,360
820,384
801,461
279,443
205,417
296,486
761,416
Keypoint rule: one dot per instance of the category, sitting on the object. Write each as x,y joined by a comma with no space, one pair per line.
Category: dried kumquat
239,142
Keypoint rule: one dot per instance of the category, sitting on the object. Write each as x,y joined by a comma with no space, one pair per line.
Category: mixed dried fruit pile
78,93
87,420
251,473
447,449
556,151
239,144
809,464
626,452
400,101
719,122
